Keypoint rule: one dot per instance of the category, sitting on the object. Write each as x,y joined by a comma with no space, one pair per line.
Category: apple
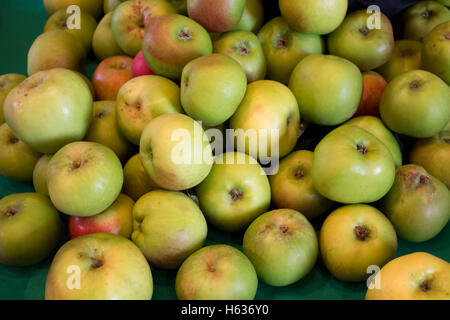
131,18
224,81
30,228
40,174
324,99
350,165
99,266
432,153
406,56
436,46
93,7
175,152
103,42
282,245
422,17
284,48
354,40
56,49
373,88
140,67
416,103
217,272
110,75
418,204
49,109
252,17
314,16
270,113
117,219
168,227
142,99
171,41
88,83
8,82
84,178
292,186
110,5
235,192
245,48
220,16
354,237
444,2
136,181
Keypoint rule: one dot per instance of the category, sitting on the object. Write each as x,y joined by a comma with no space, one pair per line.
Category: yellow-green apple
435,51
354,237
140,67
17,160
252,17
284,48
416,103
217,272
180,5
30,229
314,16
103,42
212,87
142,99
415,276
40,174
376,127
131,18
93,7
8,82
217,16
351,165
110,5
168,227
368,48
282,245
418,204
406,56
175,152
421,18
323,99
110,75
88,83
235,192
117,219
136,181
49,109
292,186
373,88
432,153
84,178
245,48
56,49
171,41
99,266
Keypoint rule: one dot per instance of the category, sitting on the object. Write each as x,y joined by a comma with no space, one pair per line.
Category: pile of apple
188,66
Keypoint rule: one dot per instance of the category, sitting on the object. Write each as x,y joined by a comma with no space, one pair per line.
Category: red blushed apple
140,67
110,75
373,88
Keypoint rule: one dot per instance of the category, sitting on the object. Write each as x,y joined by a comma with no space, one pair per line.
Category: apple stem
361,233
236,195
11,212
96,263
13,140
426,14
415,85
281,43
425,286
299,174
362,149
424,179
447,36
184,35
364,31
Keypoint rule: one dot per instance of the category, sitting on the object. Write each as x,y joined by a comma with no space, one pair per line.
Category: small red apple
374,85
110,75
140,67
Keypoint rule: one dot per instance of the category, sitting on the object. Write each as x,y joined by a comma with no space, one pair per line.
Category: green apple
418,204
292,186
212,87
8,82
435,51
136,181
30,228
88,83
217,272
406,56
235,192
284,48
142,99
422,17
103,42
99,266
93,7
252,17
110,5
130,19
416,103
245,48
49,109
84,178
269,117
324,99
168,227
354,237
314,16
282,245
104,129
350,165
171,41
40,174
